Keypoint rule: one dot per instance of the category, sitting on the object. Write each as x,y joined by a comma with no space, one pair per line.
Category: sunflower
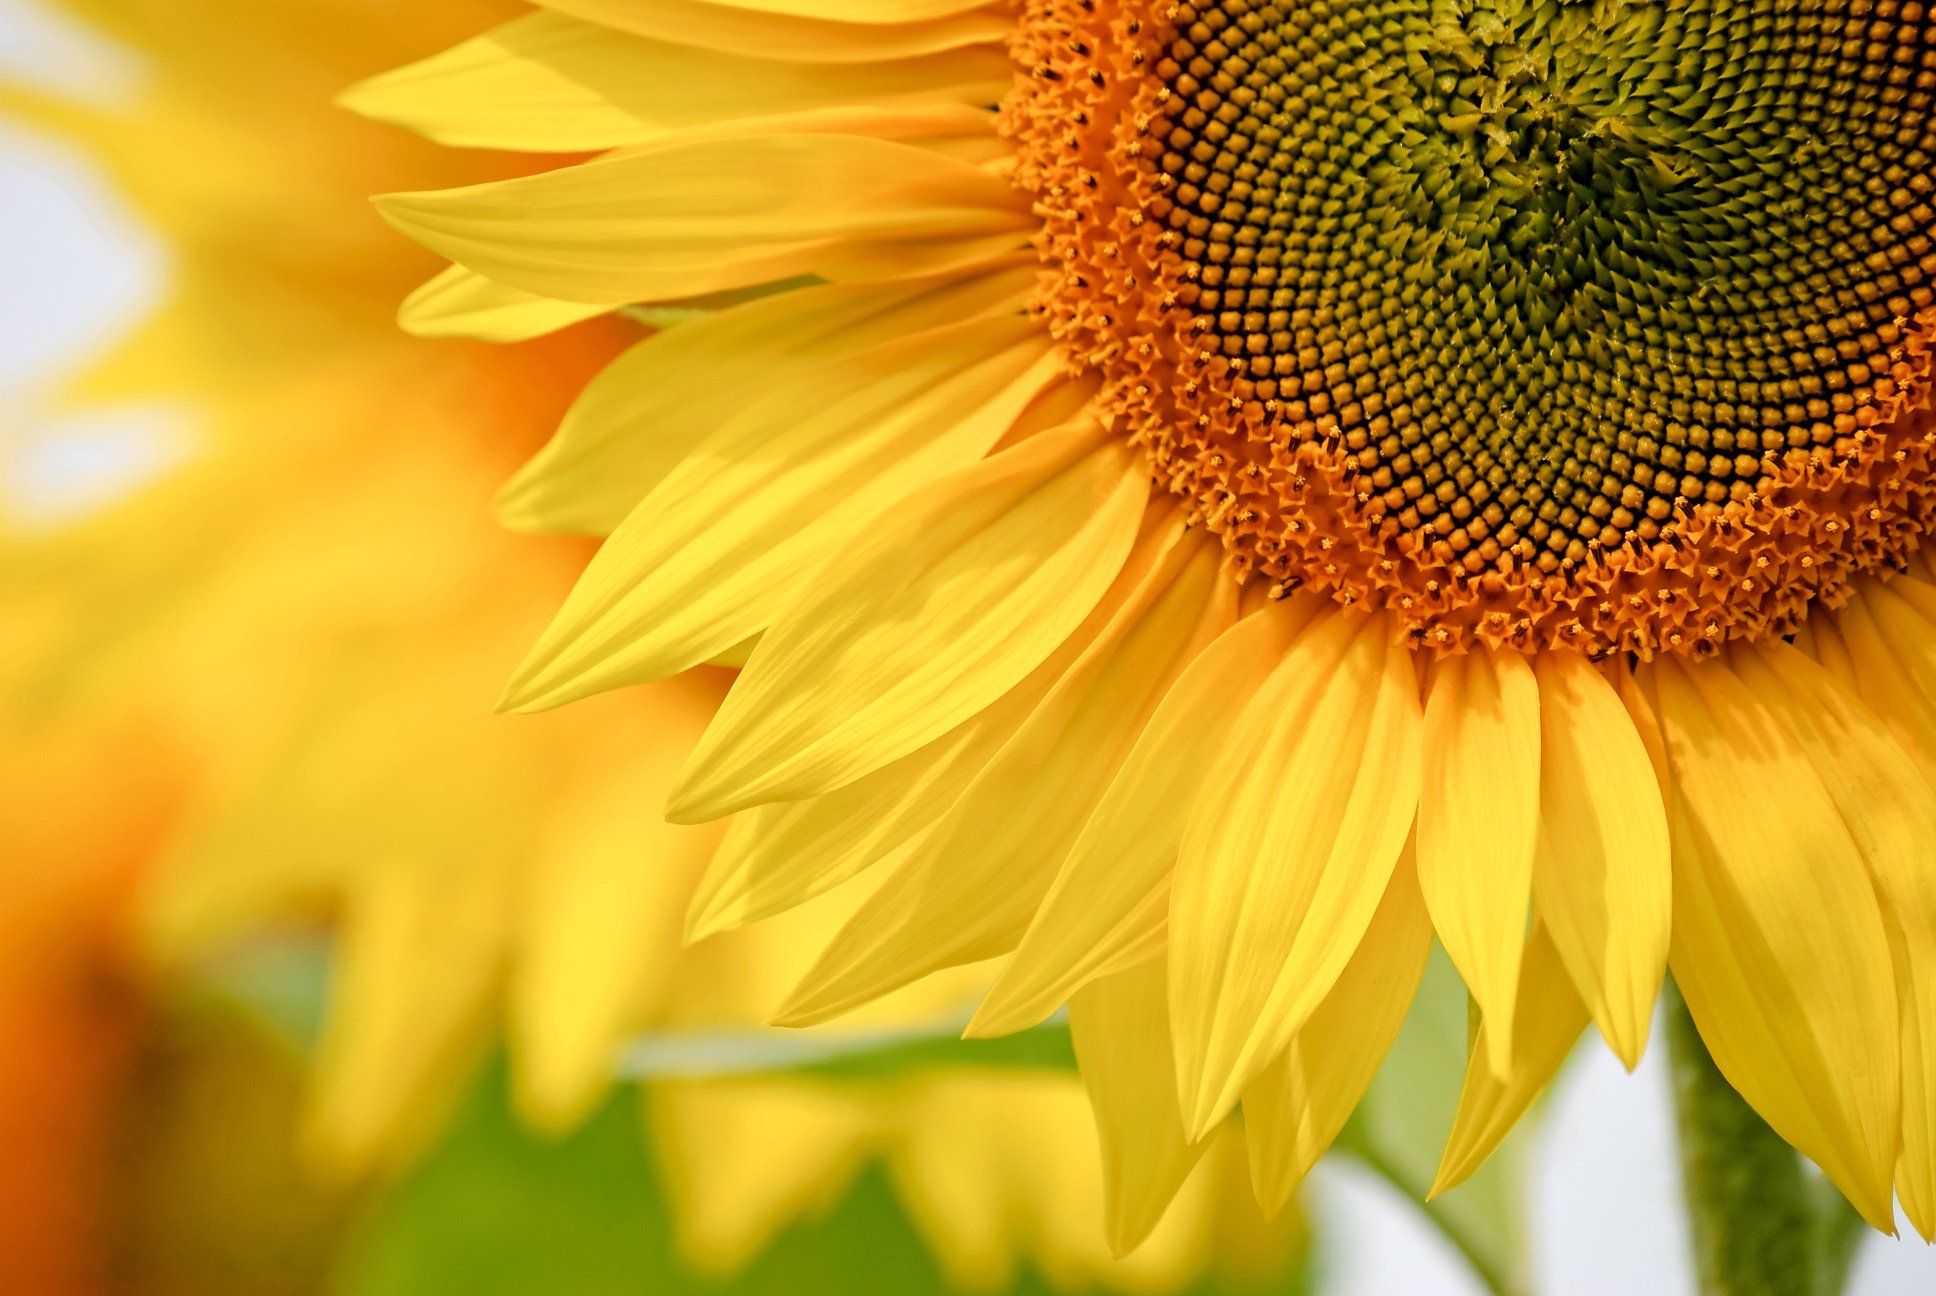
1228,491
283,653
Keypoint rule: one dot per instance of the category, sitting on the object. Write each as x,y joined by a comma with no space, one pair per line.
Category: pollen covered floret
1600,325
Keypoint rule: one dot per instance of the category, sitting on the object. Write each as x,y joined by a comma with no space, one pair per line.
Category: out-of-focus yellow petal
683,220
1779,945
404,1029
724,541
1288,850
967,889
551,84
1121,1026
1478,820
1602,879
1295,1108
744,1158
1549,1020
652,406
602,913
947,602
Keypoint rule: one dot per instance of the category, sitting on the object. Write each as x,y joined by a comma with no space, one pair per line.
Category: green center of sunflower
1553,273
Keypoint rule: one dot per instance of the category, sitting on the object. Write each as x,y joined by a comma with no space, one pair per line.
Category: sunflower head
1599,326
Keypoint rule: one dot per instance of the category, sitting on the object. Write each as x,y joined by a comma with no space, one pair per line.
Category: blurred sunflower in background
1225,492
251,700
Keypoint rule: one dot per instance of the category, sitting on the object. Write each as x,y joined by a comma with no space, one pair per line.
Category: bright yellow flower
1537,405
309,619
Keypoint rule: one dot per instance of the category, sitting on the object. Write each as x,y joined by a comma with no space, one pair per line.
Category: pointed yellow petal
1294,1110
704,24
462,303
551,84
1121,1026
1890,808
1287,852
943,605
651,407
724,541
682,220
779,855
1114,888
1478,819
1778,944
1550,1018
1602,876
968,889
1884,644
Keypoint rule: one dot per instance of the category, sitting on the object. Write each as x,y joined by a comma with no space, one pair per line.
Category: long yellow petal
1121,1026
1478,822
551,84
682,220
1287,852
942,606
967,890
1603,875
462,303
705,24
1294,1110
1114,887
1779,945
656,403
1887,801
1550,1018
714,552
778,855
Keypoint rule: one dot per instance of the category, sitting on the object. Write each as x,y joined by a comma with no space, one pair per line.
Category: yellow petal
607,887
711,555
551,84
1778,944
969,887
1121,1027
648,409
1602,877
1114,887
461,303
1890,807
682,220
1478,820
404,1030
1294,1110
1288,850
742,1159
943,605
704,24
858,11
1550,1018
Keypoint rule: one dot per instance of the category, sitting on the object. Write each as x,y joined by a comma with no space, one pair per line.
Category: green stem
1756,1228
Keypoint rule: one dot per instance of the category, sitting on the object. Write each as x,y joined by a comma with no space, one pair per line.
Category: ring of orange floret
1086,117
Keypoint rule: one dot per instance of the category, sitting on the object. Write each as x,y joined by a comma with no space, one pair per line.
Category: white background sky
75,269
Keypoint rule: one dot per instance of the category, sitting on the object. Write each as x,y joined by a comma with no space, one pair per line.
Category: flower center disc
1596,324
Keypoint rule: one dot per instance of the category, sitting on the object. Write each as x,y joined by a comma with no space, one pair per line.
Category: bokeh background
203,1191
